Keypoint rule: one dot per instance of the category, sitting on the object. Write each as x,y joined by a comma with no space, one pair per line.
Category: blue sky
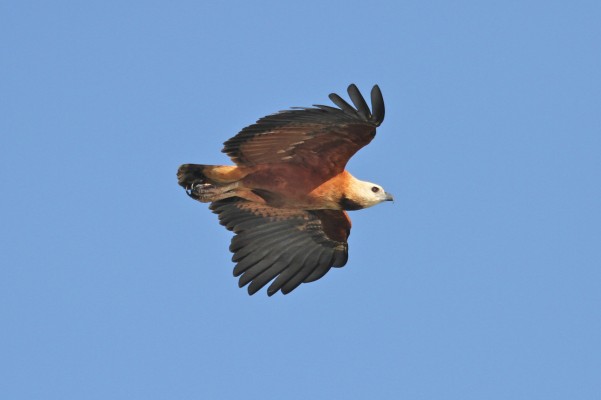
481,281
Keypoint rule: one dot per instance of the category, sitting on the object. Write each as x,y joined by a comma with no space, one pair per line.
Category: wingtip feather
359,102
377,105
361,109
340,102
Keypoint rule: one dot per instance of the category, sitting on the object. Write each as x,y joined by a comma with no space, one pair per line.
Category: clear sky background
482,280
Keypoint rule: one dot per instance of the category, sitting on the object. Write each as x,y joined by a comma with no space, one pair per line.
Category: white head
362,194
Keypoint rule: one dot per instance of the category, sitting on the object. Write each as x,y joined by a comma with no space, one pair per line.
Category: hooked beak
389,197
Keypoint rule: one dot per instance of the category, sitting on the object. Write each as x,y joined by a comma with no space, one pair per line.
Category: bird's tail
189,175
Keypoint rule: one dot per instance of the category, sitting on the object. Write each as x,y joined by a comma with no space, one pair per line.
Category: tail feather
188,174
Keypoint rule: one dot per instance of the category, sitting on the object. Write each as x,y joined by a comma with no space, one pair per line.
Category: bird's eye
375,189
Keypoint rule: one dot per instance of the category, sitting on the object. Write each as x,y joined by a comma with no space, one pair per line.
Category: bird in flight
287,196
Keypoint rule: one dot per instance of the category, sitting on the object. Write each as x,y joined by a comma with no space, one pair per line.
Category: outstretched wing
322,138
292,246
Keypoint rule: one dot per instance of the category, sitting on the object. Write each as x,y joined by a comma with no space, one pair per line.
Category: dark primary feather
292,246
344,106
359,102
317,259
308,136
377,105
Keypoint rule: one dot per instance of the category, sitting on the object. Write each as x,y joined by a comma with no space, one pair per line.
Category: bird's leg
207,192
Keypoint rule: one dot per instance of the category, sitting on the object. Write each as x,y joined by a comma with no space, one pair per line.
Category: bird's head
362,194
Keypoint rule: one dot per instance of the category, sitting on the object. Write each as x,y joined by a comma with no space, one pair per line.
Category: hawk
287,196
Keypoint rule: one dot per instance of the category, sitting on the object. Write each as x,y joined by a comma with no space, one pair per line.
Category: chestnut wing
322,138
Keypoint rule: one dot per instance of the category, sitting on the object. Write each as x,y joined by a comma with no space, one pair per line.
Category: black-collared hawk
287,196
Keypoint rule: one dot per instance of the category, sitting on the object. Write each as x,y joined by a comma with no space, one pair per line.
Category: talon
200,191
200,188
190,192
207,192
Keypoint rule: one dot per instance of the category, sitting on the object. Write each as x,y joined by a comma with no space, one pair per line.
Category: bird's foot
203,192
207,192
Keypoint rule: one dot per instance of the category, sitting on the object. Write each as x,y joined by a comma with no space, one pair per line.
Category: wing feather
359,102
288,273
245,250
255,260
344,106
266,276
275,269
285,244
308,136
377,105
267,233
320,259
267,263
